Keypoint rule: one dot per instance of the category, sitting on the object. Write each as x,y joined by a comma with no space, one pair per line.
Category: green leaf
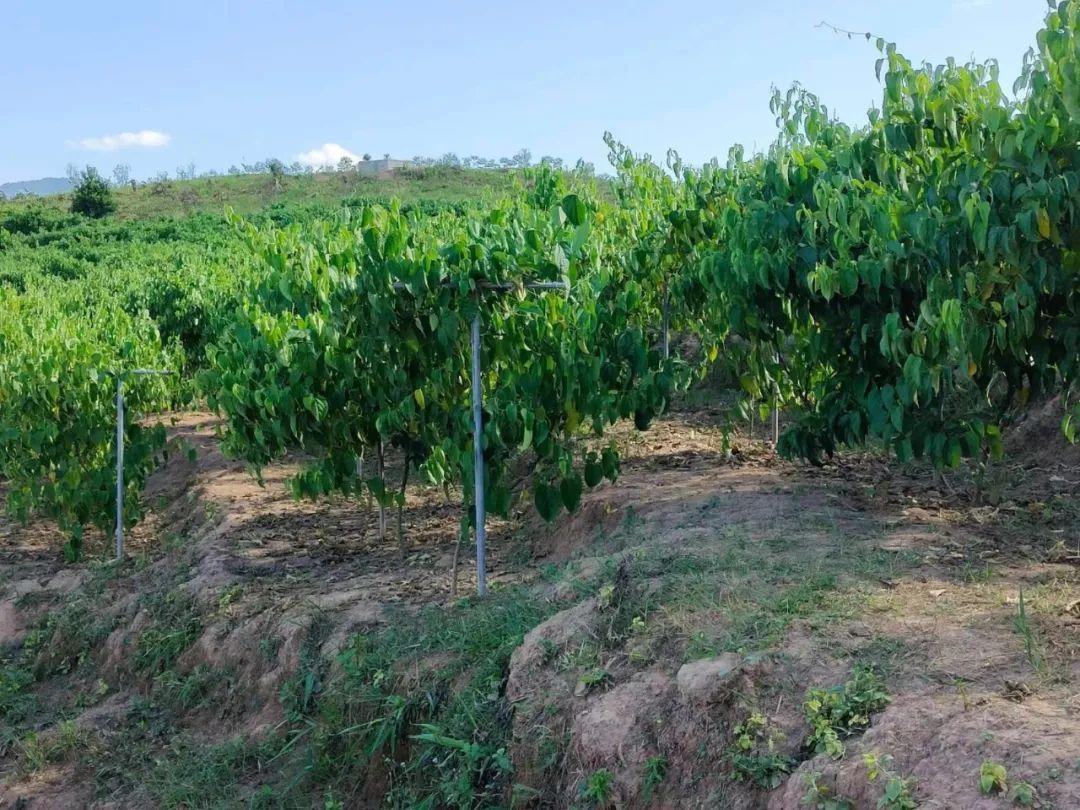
570,488
575,209
581,236
609,461
548,500
594,473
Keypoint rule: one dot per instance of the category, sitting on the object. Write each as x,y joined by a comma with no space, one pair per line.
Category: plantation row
904,283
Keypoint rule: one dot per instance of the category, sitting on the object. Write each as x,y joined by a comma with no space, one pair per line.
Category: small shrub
92,196
896,794
592,679
1023,794
599,788
605,599
229,596
755,756
842,711
992,778
622,605
548,650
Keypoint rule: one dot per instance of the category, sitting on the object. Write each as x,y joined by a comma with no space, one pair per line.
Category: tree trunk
401,509
776,419
463,531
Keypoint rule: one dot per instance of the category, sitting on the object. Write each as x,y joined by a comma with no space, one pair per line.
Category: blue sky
239,80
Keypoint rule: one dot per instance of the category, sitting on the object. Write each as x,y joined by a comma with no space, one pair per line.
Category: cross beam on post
120,377
478,416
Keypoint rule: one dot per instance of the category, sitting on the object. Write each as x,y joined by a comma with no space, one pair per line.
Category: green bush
92,196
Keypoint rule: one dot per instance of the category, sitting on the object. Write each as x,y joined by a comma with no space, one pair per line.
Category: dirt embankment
706,588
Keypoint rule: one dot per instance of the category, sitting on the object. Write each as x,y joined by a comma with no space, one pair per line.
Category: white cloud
326,155
147,138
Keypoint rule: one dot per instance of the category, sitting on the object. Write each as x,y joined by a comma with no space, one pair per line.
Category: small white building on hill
382,166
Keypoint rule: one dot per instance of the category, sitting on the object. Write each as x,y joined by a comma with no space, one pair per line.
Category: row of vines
908,282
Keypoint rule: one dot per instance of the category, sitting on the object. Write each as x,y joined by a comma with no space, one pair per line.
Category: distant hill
42,187
250,193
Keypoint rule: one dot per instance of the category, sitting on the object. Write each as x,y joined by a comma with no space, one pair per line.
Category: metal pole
478,459
139,372
119,468
478,411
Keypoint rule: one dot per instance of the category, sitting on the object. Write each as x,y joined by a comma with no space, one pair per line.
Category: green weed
896,791
269,646
755,755
39,749
820,797
842,711
1032,643
884,654
462,765
992,778
184,692
175,625
1023,794
592,679
299,693
453,714
190,774
598,788
61,642
585,655
656,768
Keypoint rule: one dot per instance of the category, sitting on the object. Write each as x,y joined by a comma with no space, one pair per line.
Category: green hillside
249,193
